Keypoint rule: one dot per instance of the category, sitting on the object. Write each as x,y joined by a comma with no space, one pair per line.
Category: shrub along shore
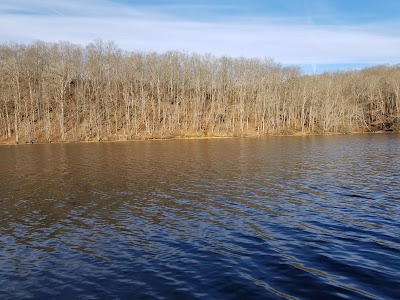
64,92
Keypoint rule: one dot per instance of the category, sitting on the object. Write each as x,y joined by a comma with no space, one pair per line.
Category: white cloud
134,29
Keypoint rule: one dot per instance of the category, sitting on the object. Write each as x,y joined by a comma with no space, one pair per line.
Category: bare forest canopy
66,92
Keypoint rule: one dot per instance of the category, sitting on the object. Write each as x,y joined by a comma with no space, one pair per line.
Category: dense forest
66,92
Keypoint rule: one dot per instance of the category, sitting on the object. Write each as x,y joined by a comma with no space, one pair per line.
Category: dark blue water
281,217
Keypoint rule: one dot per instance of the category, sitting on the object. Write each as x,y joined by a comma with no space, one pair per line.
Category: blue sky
315,34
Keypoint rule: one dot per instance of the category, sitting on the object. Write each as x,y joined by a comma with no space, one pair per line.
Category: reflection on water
281,217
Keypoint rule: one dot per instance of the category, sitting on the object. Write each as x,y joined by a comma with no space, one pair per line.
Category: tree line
67,92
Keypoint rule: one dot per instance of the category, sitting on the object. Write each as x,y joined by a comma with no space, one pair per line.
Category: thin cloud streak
133,29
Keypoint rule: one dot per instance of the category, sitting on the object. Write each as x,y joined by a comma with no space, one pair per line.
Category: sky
317,35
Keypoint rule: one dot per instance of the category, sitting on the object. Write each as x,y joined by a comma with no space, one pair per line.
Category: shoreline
6,143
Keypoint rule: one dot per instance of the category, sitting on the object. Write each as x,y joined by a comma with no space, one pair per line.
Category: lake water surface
281,217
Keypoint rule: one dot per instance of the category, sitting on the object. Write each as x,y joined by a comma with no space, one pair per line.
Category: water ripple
291,218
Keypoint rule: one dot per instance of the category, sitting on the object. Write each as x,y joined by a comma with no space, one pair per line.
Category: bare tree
66,92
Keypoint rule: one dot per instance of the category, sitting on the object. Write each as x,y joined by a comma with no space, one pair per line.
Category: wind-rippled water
280,217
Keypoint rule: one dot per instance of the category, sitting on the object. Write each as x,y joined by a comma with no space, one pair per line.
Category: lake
247,218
